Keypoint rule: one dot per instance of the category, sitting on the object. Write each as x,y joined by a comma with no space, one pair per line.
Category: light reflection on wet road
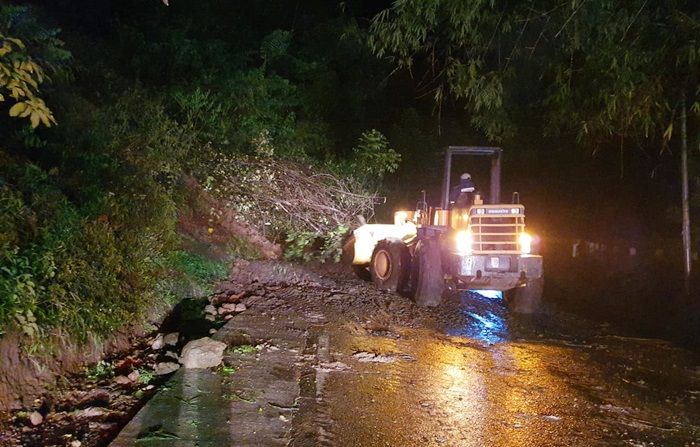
499,381
487,318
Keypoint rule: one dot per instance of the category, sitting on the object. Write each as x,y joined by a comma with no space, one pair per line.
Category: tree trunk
685,203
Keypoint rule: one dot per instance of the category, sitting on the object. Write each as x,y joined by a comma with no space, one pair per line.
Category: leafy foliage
373,158
27,51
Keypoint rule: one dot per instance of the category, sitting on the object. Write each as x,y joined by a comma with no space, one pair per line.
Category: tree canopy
603,69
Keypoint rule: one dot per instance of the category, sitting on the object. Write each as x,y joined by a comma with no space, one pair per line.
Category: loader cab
495,155
449,215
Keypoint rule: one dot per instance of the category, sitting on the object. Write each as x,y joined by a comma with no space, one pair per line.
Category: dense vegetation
98,134
102,123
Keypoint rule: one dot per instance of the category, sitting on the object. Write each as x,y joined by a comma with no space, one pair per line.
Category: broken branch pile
280,195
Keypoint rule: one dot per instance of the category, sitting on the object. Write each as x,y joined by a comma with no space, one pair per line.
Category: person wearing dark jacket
462,195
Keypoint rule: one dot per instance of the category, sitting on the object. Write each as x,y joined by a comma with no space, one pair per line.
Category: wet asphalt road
495,379
371,368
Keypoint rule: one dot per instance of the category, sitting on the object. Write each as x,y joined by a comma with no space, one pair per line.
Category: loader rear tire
428,276
526,300
390,265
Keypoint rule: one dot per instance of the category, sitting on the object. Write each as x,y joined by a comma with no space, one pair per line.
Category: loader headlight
464,242
400,217
525,241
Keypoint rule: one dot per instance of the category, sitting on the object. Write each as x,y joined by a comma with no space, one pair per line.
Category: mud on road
469,373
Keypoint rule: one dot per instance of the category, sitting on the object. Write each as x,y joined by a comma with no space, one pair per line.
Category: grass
227,370
245,349
195,269
146,376
198,267
100,371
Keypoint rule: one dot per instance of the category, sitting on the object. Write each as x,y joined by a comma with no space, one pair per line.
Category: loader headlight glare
401,217
464,242
525,241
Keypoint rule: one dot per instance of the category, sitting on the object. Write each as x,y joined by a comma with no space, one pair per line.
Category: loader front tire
428,277
526,300
390,265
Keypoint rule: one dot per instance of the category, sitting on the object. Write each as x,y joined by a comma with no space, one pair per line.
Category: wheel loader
433,250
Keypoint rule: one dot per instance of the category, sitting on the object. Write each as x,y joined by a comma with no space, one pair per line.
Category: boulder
202,353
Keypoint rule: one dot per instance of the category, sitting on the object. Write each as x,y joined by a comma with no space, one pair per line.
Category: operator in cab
462,195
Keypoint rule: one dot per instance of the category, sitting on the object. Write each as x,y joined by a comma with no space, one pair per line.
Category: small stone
240,307
171,339
122,380
36,418
134,376
228,317
101,426
98,397
209,317
227,308
212,331
93,412
157,342
75,443
172,355
211,310
202,353
164,368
